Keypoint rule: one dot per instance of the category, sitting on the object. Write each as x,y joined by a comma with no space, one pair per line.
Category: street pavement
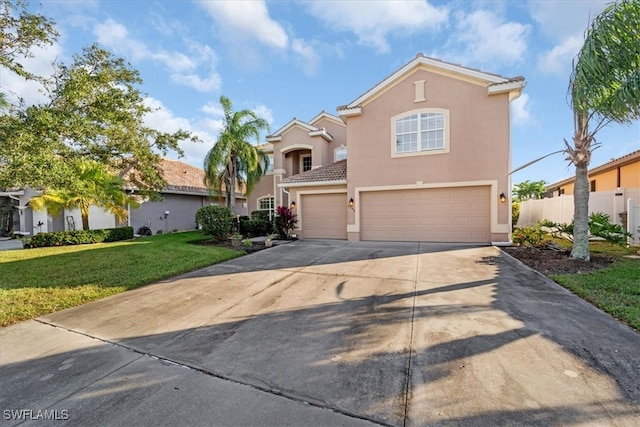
326,332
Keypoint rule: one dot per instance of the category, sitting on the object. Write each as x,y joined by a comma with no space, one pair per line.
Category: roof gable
494,82
277,135
327,116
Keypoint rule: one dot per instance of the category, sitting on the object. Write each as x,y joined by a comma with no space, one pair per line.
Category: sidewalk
7,244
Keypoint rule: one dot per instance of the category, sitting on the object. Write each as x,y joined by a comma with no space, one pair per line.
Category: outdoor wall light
503,198
293,205
351,204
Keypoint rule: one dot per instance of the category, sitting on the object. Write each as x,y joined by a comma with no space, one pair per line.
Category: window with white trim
305,162
266,204
420,132
340,153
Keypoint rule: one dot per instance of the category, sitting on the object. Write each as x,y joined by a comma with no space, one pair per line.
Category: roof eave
312,183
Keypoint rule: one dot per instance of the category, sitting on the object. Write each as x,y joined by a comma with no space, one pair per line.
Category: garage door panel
457,214
324,216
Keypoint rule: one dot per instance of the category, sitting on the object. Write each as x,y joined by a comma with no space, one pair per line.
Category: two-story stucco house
428,151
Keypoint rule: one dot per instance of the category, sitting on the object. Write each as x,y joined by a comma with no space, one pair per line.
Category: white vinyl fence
560,209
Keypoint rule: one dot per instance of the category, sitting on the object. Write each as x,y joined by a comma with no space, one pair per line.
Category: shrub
600,225
285,222
255,227
532,237
80,237
515,214
264,215
216,221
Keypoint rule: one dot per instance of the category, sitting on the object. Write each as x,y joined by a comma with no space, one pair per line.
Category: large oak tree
94,111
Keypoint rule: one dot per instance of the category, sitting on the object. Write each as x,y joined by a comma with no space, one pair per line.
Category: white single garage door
324,216
456,214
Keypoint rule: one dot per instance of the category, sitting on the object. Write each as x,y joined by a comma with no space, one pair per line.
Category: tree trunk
580,248
232,199
84,213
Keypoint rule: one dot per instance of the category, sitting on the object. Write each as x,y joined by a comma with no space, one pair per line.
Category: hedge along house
429,154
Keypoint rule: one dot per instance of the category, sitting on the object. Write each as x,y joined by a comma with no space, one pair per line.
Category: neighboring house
179,201
623,172
184,194
615,191
429,154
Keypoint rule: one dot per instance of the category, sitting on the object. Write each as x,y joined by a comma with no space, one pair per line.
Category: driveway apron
339,333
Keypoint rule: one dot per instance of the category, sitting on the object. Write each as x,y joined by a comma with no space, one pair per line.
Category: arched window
421,132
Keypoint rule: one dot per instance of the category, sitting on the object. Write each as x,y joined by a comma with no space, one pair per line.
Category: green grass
615,289
35,282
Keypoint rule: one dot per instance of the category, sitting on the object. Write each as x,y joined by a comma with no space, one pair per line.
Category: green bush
515,214
216,221
255,227
264,215
80,237
600,225
532,237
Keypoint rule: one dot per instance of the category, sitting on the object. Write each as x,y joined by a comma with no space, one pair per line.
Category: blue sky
290,59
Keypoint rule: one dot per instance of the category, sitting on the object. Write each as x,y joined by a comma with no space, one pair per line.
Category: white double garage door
452,214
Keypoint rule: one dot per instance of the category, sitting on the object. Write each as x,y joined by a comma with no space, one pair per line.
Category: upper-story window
421,132
269,167
305,162
340,153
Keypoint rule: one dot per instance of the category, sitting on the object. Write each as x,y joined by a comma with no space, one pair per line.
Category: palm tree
233,161
92,185
528,190
604,88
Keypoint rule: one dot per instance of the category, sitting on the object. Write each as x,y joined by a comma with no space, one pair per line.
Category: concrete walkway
331,333
7,244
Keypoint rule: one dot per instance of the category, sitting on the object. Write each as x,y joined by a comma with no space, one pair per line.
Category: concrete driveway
330,333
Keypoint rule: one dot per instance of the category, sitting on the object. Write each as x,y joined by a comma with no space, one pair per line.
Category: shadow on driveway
397,334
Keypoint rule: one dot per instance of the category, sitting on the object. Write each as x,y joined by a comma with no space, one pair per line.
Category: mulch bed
550,262
227,244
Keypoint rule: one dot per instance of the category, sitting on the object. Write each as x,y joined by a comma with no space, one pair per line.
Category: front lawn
615,289
35,282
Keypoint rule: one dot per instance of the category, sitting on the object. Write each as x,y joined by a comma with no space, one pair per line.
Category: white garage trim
493,202
299,195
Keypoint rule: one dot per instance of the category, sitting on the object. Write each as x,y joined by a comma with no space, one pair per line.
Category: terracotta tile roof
334,172
184,178
181,176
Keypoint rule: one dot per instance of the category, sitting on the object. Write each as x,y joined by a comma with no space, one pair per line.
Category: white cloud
264,112
207,84
562,19
486,39
564,23
162,119
374,22
558,60
520,110
307,56
242,20
196,71
16,87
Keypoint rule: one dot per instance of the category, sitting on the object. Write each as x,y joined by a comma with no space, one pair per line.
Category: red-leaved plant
286,221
